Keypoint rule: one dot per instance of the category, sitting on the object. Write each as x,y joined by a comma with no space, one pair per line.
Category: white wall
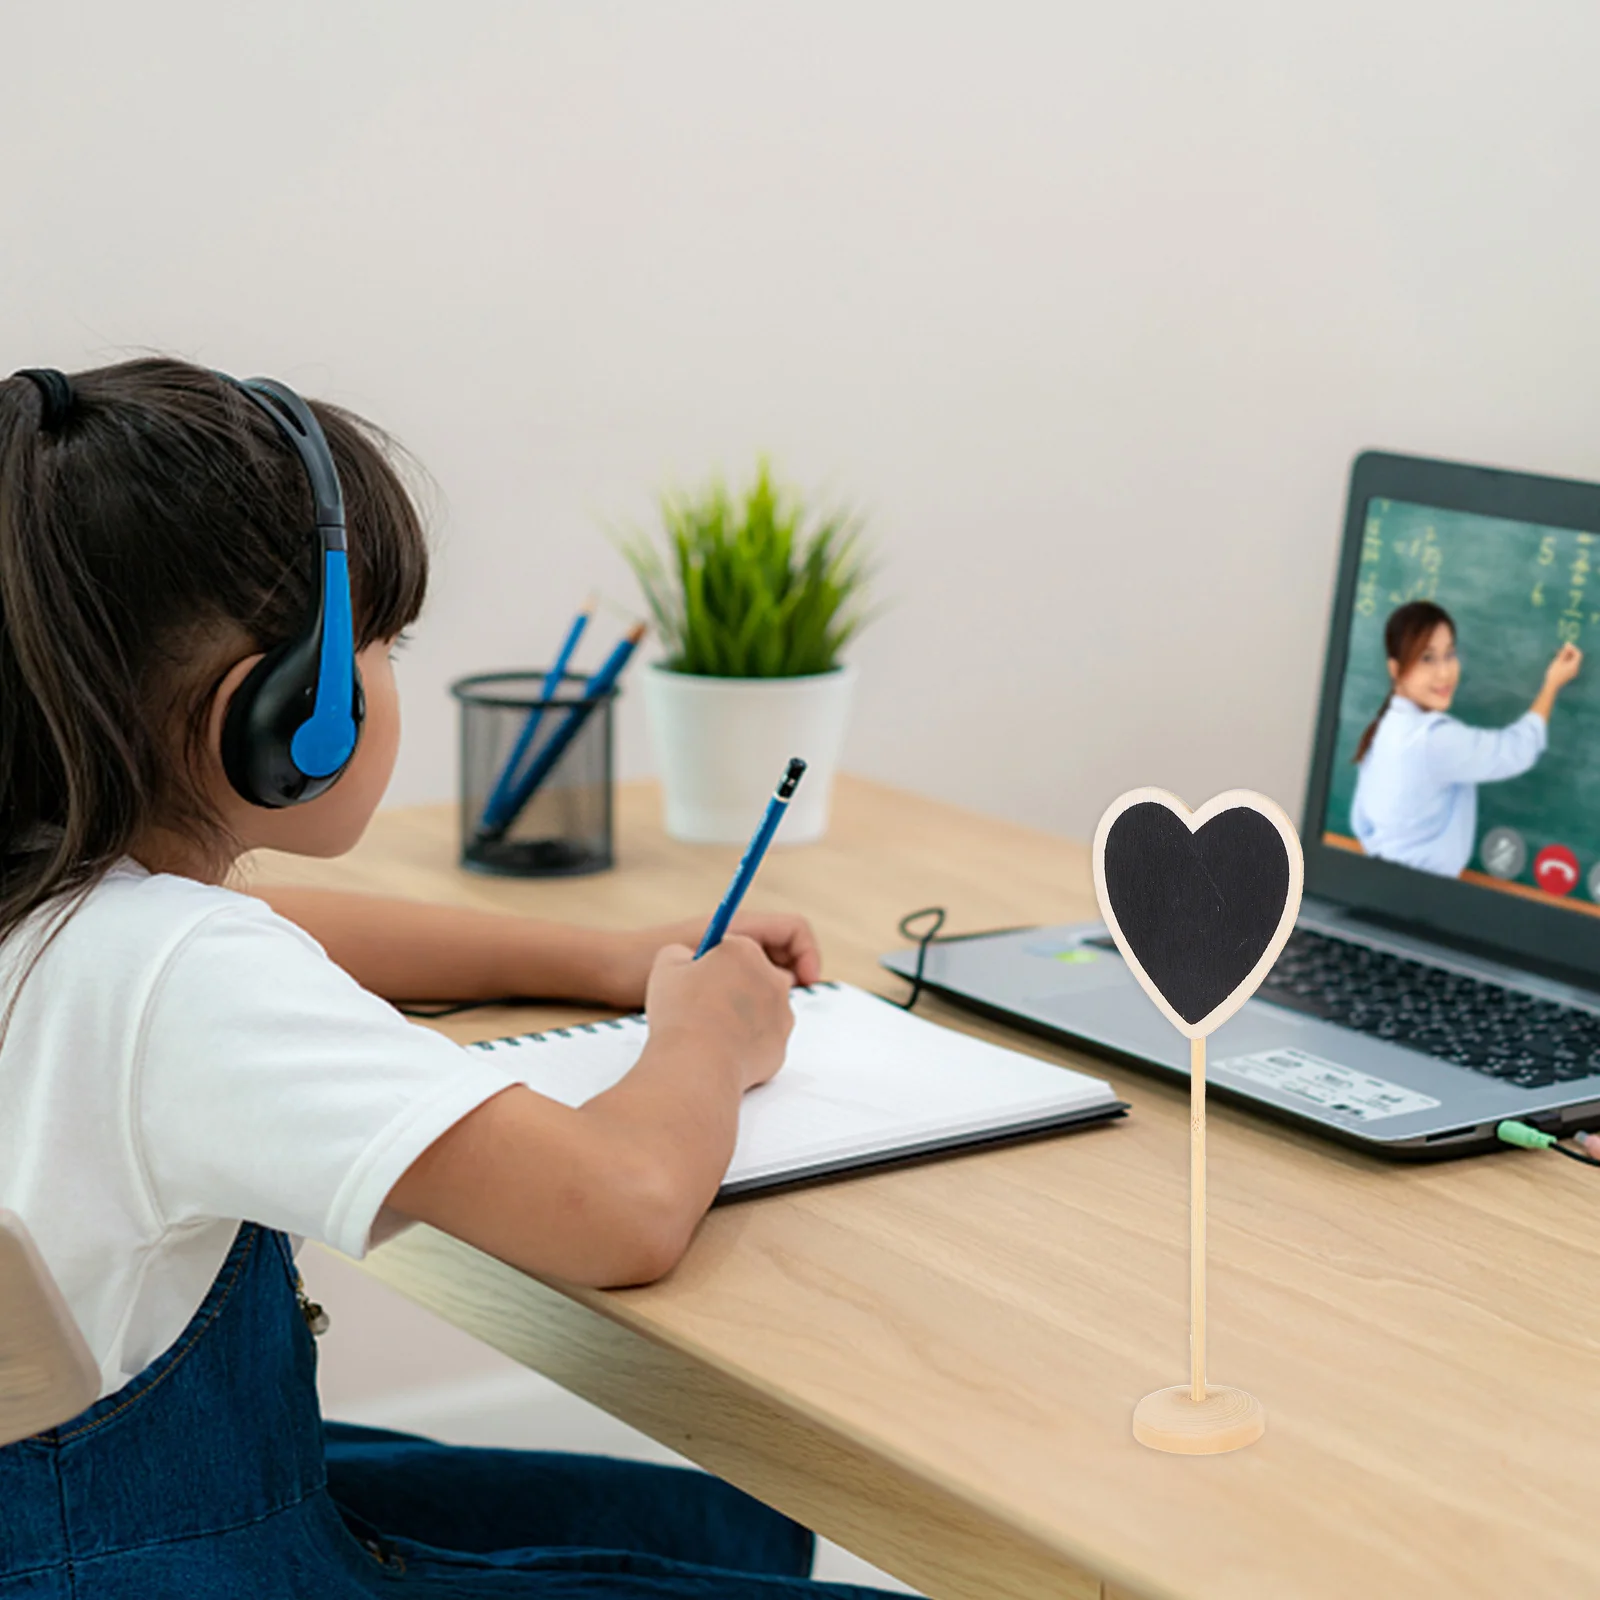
1089,304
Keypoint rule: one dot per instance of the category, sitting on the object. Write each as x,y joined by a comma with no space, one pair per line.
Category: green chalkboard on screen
1518,592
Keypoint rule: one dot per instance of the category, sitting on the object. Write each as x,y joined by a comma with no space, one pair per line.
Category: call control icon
1555,869
1504,852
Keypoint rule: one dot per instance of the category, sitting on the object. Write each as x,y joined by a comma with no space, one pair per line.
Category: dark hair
150,538
1405,637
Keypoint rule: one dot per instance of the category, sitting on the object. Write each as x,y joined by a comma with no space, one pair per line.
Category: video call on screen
1516,592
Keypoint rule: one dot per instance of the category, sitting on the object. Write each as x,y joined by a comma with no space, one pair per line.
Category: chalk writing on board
1424,553
1569,625
1371,561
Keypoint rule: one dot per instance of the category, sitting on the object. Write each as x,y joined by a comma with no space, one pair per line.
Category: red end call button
1555,869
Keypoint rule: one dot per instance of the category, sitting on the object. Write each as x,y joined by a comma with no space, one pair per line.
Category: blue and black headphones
293,724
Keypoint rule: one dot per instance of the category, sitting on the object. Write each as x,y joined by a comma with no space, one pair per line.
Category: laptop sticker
1326,1084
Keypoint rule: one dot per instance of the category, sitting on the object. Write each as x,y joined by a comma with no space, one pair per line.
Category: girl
190,1077
1416,799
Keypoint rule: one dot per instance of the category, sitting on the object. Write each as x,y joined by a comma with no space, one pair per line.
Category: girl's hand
733,1004
627,958
1564,668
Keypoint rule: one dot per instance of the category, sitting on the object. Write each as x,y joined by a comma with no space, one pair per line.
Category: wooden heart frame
1194,821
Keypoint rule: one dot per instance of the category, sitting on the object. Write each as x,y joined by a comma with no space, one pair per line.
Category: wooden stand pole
1194,1418
1197,1220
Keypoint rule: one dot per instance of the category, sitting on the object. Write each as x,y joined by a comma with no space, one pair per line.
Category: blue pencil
551,750
751,859
498,810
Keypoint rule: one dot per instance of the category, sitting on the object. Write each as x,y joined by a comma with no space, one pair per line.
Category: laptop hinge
1578,977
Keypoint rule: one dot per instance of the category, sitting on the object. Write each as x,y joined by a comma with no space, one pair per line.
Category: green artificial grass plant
744,591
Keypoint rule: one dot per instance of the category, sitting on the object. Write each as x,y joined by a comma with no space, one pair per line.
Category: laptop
1444,972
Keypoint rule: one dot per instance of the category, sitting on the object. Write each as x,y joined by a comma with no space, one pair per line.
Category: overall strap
221,1429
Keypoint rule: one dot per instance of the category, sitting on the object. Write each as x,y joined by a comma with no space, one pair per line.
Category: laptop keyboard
1501,1032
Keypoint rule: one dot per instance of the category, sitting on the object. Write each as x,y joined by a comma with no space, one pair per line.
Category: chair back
46,1371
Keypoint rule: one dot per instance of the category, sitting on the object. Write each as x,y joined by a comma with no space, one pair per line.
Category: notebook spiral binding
633,1020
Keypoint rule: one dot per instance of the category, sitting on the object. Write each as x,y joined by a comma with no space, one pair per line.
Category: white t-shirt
182,1059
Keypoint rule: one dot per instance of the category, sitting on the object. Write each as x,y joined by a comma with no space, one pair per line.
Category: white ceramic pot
722,743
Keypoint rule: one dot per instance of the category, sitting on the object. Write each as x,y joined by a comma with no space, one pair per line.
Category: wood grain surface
938,1367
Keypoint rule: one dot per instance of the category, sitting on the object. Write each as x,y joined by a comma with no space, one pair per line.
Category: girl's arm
610,1193
411,950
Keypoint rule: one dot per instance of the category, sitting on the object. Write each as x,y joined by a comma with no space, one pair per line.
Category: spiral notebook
864,1085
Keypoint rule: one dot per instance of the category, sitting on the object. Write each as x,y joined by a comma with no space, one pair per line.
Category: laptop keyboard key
1500,1032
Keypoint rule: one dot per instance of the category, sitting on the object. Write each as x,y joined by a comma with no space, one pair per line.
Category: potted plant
753,610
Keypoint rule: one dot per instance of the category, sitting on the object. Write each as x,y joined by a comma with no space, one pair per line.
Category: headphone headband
298,424
293,724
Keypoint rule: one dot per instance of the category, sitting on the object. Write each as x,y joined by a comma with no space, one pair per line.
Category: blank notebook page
863,1081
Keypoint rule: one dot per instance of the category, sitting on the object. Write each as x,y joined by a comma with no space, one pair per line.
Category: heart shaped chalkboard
1199,903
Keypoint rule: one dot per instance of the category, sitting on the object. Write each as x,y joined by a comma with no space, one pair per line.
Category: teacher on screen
1416,799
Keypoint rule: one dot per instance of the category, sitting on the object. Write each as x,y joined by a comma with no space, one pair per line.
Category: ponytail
1369,733
75,772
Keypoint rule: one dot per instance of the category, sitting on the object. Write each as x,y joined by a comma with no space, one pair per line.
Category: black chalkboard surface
1200,903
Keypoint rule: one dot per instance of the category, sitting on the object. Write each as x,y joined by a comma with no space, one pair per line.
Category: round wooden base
1170,1419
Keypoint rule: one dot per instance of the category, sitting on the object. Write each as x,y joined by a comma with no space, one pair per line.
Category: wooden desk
937,1367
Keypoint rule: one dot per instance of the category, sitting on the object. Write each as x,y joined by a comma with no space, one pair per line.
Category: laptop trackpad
1118,1014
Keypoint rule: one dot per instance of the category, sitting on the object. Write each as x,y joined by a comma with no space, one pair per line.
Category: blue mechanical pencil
751,859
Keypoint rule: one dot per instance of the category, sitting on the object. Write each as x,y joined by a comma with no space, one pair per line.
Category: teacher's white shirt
1416,799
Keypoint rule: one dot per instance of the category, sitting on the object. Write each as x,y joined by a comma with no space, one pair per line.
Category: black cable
1575,1155
923,940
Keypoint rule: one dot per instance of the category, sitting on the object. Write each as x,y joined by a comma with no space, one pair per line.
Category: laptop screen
1454,769
1459,752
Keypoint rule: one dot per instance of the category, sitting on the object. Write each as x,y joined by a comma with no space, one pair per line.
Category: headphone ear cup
256,760
266,712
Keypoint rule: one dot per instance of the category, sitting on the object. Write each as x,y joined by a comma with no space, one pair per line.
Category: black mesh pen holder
536,790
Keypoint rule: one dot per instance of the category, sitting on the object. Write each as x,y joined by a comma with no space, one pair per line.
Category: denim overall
211,1476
